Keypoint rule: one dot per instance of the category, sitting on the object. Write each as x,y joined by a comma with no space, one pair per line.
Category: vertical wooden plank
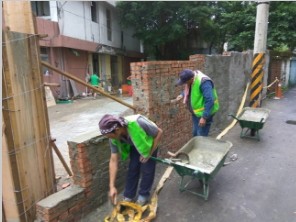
9,200
45,156
9,107
26,113
41,116
18,16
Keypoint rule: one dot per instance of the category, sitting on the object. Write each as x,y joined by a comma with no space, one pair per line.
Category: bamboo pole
70,76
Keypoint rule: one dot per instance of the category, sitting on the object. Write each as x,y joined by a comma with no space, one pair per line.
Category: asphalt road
259,186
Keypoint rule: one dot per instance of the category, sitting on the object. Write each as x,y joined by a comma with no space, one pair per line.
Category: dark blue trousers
201,131
137,171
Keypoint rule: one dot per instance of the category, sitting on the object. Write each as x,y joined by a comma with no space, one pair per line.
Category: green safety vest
94,80
139,137
197,99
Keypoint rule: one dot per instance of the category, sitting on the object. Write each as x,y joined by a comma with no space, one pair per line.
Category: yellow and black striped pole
257,79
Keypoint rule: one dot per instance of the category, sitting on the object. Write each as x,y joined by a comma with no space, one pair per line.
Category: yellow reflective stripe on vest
198,110
201,109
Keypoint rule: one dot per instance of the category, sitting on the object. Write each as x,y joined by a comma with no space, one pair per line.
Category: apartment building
85,37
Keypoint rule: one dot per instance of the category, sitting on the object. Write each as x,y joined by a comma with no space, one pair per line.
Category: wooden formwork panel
28,155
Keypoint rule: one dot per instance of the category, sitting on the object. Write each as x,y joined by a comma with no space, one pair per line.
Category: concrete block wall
230,74
89,158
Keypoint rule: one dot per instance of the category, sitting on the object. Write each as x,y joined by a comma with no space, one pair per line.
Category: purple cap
184,76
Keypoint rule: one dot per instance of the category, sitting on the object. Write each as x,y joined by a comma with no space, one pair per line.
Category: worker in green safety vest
137,138
201,98
94,80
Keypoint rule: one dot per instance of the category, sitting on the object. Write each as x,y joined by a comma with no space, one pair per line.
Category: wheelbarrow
252,120
200,158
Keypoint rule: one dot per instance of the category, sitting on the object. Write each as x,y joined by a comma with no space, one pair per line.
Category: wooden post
60,156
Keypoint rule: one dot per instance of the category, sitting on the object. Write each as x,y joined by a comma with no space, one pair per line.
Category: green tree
235,22
282,26
165,27
176,29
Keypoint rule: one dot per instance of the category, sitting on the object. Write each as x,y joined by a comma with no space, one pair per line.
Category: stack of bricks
90,166
154,88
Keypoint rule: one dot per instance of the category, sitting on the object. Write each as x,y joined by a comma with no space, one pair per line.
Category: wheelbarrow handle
165,161
233,117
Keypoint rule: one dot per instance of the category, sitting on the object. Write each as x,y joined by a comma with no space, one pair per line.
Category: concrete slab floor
69,120
260,185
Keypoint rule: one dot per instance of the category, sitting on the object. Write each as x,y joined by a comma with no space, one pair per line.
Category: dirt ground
68,120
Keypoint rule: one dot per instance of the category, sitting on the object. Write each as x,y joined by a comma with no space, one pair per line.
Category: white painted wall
53,11
74,18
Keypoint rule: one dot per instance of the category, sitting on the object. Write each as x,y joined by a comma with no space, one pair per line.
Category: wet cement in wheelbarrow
205,154
254,115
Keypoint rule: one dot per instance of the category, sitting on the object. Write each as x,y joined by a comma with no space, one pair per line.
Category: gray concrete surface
260,185
68,121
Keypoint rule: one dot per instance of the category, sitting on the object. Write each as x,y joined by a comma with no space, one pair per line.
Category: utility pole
259,53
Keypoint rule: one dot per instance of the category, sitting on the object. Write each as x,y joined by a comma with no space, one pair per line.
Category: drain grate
291,122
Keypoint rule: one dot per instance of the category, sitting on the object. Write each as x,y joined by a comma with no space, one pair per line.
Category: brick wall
154,87
90,166
275,72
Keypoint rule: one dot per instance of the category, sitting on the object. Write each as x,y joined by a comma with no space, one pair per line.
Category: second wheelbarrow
252,120
200,158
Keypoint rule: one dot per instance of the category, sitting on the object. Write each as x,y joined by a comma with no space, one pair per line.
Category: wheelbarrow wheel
253,132
201,182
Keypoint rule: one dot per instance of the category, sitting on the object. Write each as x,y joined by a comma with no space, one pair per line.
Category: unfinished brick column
154,87
89,156
90,166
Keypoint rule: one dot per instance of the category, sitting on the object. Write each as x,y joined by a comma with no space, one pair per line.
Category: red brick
63,216
85,183
82,155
